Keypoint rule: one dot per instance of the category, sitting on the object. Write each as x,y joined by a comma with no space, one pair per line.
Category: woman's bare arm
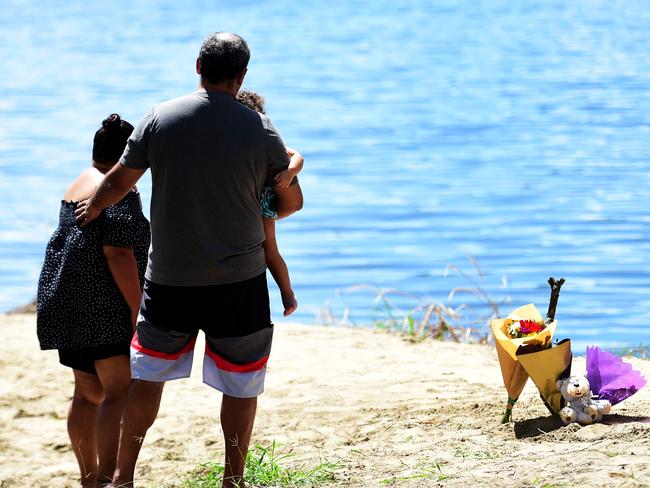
124,268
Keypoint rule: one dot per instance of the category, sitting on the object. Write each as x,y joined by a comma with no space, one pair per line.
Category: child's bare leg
278,267
88,394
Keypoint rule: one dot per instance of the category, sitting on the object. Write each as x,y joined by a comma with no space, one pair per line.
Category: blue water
516,133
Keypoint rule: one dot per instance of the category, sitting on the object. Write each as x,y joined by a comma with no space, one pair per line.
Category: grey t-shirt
209,157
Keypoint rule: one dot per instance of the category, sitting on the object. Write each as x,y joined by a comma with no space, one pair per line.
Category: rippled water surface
513,132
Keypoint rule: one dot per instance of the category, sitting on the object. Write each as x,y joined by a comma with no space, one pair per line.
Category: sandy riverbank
382,407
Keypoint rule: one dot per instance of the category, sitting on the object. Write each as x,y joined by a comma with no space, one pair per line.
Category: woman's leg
115,376
88,394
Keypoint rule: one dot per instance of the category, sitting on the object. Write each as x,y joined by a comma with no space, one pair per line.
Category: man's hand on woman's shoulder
86,212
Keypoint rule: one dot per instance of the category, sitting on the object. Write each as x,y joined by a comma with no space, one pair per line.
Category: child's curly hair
251,100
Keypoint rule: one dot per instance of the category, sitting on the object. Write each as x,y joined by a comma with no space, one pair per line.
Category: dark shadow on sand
543,425
624,419
537,426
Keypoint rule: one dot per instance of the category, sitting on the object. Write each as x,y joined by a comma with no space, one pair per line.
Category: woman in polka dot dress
89,294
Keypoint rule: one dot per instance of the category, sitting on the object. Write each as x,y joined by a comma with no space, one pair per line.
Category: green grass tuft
263,468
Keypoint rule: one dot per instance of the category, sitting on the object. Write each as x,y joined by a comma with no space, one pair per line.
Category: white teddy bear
580,407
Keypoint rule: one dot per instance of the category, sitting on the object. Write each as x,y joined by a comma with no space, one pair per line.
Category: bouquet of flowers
523,344
517,329
524,326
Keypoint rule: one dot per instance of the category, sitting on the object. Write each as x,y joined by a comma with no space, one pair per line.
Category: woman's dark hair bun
112,122
110,139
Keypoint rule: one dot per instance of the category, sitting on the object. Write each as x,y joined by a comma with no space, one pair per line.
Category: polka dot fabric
79,304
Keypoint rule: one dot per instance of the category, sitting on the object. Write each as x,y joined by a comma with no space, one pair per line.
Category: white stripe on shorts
150,368
234,384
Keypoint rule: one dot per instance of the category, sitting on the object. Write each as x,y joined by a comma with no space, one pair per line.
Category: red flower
527,327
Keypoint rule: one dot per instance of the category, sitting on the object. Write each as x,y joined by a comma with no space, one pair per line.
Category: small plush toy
580,407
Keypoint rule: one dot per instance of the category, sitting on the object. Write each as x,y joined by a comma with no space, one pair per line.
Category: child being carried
283,179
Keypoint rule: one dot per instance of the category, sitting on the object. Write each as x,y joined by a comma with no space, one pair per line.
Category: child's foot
290,303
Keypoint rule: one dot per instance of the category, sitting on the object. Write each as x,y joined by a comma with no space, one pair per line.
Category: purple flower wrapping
610,377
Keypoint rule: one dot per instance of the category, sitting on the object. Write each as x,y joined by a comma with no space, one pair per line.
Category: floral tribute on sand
524,344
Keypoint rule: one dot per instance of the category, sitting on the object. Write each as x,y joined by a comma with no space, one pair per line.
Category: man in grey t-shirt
209,157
